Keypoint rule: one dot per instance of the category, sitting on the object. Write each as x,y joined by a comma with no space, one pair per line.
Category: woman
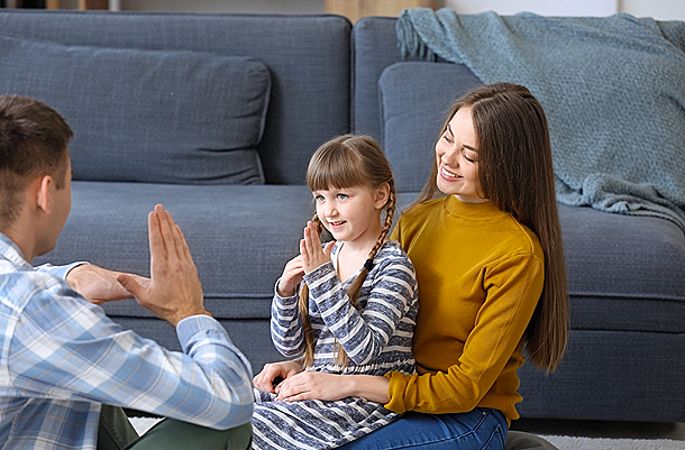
488,255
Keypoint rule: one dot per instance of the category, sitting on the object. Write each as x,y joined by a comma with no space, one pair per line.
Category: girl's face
457,159
351,214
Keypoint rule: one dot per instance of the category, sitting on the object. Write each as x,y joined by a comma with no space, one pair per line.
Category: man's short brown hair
33,142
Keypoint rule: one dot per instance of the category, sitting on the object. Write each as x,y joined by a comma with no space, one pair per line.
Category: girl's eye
318,198
342,196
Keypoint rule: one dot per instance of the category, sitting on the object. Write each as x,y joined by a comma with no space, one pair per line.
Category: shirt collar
11,252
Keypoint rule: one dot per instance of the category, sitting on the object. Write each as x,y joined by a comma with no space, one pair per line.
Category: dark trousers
117,433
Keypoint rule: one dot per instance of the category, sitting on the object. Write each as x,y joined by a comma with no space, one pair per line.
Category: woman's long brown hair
516,174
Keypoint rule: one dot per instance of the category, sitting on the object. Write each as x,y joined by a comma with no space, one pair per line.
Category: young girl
348,307
489,260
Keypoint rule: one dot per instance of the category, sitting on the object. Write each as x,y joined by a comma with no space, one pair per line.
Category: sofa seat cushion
624,272
240,237
147,115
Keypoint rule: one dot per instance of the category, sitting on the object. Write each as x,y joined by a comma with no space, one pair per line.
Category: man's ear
382,196
43,187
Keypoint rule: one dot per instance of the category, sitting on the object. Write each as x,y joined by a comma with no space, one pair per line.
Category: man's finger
157,248
185,250
167,227
131,285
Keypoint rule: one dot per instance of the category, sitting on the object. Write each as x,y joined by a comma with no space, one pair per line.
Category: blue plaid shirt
61,357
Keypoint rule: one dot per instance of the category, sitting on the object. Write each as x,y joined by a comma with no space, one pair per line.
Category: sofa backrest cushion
308,58
147,115
412,111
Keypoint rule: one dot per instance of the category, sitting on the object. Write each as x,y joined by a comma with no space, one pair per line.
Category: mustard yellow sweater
480,275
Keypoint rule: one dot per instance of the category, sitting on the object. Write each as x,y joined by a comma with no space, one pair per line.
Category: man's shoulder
19,285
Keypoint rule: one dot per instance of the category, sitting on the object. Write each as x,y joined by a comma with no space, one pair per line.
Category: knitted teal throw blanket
613,89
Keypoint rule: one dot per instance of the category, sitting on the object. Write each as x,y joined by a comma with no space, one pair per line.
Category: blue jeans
480,429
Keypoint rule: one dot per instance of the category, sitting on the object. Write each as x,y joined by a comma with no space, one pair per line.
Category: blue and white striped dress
376,335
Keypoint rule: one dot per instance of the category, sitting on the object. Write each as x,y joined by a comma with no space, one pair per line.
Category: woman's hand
264,380
292,276
311,385
311,252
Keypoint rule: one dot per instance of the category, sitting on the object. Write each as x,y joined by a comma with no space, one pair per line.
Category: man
62,358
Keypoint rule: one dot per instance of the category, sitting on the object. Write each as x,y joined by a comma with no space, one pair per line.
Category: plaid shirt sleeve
63,347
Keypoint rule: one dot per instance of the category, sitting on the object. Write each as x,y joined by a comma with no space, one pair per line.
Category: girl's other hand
311,385
292,276
312,254
264,380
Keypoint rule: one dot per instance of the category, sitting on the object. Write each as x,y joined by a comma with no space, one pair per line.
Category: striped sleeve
365,334
286,325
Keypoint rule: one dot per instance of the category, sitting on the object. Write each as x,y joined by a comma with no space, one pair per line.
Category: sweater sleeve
513,286
286,325
363,335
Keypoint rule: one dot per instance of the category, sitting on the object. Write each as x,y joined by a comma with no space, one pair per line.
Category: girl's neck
365,242
352,255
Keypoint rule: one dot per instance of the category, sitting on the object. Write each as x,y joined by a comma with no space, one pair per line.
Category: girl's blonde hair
343,162
516,174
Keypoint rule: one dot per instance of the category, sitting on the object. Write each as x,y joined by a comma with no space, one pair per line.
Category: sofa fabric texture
190,117
301,81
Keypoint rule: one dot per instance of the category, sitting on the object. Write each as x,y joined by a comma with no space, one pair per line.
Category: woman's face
457,159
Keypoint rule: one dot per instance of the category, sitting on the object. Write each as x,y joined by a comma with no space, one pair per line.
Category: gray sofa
216,116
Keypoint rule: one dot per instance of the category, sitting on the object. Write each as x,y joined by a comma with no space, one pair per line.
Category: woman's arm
514,286
311,385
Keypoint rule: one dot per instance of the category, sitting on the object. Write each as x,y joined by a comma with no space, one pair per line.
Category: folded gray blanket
613,89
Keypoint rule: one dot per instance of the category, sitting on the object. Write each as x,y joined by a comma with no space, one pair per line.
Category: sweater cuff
312,277
396,391
287,300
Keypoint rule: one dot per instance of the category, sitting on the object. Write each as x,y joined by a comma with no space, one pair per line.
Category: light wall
658,9
661,9
232,6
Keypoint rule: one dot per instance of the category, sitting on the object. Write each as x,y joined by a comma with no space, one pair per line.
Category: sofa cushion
147,115
415,97
308,56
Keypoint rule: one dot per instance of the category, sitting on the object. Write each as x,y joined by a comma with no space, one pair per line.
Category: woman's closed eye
469,159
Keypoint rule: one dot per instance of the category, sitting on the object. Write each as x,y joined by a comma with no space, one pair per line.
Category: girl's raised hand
312,254
292,276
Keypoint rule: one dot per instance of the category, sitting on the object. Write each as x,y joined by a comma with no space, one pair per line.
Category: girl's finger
303,251
307,238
